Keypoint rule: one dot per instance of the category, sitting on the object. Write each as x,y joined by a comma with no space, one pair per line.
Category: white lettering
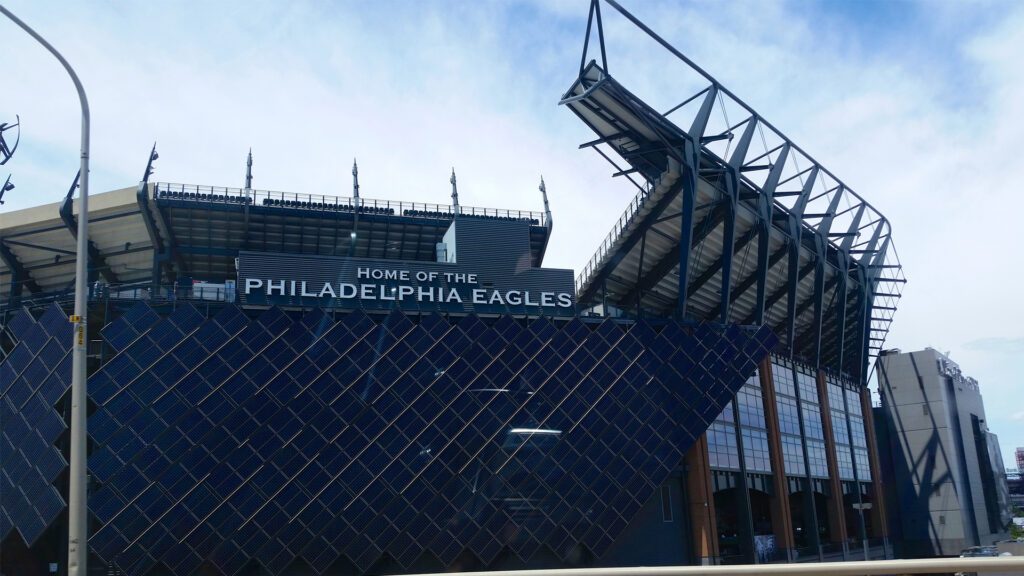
347,290
377,274
433,276
526,299
327,289
252,283
421,276
453,296
514,297
565,300
471,279
362,273
386,294
403,275
366,292
422,293
404,291
479,296
293,287
304,292
271,287
496,295
547,298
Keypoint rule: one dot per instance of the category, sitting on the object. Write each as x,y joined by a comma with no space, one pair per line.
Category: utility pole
77,513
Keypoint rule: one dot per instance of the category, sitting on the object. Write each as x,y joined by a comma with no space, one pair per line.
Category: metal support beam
671,259
690,178
97,263
19,274
844,271
732,188
765,204
821,254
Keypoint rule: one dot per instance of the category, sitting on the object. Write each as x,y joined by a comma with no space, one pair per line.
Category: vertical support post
743,485
836,512
878,515
77,515
702,503
856,475
782,521
640,275
689,194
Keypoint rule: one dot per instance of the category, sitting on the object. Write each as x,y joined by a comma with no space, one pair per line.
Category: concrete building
944,465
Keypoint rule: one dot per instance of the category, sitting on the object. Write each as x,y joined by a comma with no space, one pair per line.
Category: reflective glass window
839,431
782,376
845,461
863,467
812,421
835,397
816,458
857,425
793,455
789,420
808,387
853,403
755,450
726,414
751,406
722,452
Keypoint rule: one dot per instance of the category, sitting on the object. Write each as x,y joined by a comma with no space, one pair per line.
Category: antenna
455,194
355,180
547,208
248,172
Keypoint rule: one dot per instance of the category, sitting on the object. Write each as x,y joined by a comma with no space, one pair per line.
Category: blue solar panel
125,329
288,440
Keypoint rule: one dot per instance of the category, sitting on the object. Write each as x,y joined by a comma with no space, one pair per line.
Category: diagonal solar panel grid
322,443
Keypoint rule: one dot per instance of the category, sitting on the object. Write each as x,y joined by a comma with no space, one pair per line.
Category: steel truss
715,198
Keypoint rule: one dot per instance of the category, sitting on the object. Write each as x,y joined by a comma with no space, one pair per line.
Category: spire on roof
355,179
455,194
248,171
547,208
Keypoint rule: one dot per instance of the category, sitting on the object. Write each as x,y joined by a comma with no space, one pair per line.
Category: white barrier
1007,564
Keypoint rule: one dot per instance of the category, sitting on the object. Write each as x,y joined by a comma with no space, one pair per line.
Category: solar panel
303,440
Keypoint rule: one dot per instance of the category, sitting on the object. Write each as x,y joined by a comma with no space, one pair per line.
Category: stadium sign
293,280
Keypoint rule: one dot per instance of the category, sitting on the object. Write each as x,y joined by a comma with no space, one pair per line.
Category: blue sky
916,105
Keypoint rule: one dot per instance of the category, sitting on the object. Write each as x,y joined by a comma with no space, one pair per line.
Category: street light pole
77,514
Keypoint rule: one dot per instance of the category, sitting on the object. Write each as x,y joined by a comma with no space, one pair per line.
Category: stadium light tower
77,523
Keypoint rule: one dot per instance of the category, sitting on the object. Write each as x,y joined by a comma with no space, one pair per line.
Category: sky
917,106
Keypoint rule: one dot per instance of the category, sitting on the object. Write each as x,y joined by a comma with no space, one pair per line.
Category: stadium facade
287,383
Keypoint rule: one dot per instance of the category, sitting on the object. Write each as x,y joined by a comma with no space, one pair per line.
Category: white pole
77,514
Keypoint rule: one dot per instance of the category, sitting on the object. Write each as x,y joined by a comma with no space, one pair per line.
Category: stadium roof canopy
732,221
157,231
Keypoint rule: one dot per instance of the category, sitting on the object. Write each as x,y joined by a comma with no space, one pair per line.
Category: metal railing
328,203
605,248
1009,564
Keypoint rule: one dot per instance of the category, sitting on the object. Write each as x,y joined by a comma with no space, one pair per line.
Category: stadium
282,383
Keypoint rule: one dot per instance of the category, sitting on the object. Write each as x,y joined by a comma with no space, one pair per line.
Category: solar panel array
33,378
227,441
